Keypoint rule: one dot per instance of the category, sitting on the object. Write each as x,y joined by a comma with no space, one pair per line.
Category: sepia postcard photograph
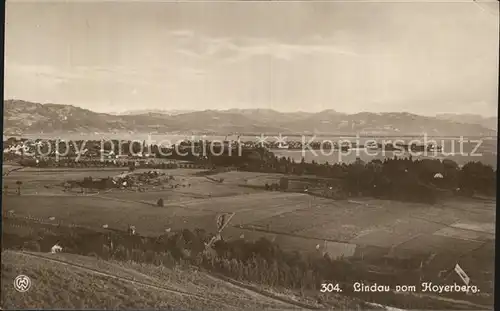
249,155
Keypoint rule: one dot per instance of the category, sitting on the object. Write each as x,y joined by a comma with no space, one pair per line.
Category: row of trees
262,262
396,178
95,149
127,164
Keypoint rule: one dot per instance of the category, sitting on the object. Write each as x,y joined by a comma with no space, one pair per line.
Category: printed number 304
329,287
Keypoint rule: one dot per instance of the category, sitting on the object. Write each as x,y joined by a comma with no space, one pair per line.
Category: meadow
363,229
57,284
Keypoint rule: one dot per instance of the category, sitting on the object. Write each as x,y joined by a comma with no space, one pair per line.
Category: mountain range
488,122
146,111
23,117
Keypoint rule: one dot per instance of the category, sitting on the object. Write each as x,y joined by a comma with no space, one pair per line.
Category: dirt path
259,294
162,288
248,228
123,200
12,170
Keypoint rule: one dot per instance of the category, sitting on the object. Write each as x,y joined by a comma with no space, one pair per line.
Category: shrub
137,255
106,252
93,254
149,256
33,246
167,259
120,253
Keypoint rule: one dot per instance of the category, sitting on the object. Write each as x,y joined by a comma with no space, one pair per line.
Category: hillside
384,123
22,117
65,281
147,111
488,122
270,116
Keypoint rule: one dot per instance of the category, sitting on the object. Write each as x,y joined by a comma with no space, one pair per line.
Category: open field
118,214
63,281
367,222
49,182
377,223
190,188
248,178
454,230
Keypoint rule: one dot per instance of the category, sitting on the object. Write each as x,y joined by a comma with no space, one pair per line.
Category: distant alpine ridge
23,117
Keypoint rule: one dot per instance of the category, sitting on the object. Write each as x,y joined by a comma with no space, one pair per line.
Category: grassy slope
56,285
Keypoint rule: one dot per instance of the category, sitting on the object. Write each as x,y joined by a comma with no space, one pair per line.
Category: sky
416,56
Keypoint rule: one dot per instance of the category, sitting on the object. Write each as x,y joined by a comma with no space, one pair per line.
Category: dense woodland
399,178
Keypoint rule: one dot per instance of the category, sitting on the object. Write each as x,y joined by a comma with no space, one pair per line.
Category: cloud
46,74
180,34
93,85
189,53
230,50
191,72
111,75
287,51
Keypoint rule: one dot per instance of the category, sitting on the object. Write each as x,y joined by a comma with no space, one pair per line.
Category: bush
106,252
120,253
93,254
149,256
33,246
137,255
167,259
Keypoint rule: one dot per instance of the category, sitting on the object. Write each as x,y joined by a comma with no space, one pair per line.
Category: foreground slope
66,281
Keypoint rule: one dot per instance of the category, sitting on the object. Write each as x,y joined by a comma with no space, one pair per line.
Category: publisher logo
22,283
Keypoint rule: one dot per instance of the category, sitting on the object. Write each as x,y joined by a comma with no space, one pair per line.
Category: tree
428,168
451,174
160,202
475,176
19,183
